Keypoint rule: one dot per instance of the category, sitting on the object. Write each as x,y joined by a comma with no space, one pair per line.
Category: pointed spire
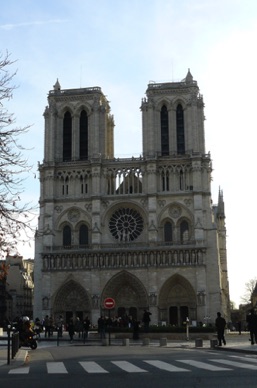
189,77
221,206
57,85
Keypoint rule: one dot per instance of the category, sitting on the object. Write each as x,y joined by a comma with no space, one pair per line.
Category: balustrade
127,259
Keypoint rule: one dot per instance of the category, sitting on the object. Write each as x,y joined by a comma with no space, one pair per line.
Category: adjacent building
141,230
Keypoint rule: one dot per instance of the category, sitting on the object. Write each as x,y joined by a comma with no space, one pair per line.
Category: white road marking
92,367
165,366
128,367
56,367
23,370
235,364
203,365
248,359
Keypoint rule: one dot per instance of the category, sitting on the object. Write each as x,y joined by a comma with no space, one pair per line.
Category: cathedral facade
140,230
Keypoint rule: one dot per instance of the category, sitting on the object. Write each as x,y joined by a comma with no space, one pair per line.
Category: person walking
220,324
101,326
47,326
59,326
71,330
86,326
146,320
252,326
135,325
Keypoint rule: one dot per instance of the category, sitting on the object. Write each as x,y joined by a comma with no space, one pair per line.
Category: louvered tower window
83,131
67,136
164,131
180,130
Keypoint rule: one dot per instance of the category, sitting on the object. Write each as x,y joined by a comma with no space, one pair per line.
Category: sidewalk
235,343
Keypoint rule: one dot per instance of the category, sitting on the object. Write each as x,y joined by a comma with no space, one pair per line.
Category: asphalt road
122,367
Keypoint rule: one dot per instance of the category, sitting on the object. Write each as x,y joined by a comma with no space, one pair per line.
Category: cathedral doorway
129,294
177,301
71,301
178,315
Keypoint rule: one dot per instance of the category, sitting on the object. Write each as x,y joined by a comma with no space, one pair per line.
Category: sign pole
109,304
109,327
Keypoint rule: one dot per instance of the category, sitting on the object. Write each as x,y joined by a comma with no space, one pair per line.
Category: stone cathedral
141,230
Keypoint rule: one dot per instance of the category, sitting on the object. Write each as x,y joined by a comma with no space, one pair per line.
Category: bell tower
173,119
78,125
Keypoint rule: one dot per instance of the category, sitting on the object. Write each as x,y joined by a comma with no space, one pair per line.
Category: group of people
81,327
125,321
251,321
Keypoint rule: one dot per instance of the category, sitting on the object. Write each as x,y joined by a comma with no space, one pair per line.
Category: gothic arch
130,204
160,103
179,100
73,298
79,108
65,108
177,295
184,212
127,291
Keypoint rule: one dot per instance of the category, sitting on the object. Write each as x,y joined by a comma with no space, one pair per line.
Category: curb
21,358
237,350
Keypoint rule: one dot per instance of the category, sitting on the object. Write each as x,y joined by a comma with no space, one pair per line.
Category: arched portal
71,301
129,294
177,301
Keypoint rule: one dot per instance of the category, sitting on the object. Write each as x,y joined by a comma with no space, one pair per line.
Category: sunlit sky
121,45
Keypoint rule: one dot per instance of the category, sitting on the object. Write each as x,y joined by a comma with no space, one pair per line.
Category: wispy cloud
35,23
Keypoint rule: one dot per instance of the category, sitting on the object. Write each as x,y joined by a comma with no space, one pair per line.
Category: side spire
57,85
221,206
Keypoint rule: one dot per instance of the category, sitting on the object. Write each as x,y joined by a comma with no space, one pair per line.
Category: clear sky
121,45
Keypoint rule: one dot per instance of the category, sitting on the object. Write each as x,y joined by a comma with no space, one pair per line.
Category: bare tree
249,288
15,216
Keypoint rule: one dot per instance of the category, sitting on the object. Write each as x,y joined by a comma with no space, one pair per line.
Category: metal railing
12,342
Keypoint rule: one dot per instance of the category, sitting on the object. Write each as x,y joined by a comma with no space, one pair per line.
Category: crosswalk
146,366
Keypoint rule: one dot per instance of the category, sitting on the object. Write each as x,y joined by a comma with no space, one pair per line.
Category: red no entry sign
109,303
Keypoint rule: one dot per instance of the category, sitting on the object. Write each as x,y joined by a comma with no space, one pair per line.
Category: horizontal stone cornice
126,259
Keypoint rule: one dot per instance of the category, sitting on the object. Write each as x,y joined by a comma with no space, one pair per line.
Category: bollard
146,341
125,342
213,343
163,341
198,343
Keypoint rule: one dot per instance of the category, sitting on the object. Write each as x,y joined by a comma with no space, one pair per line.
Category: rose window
126,224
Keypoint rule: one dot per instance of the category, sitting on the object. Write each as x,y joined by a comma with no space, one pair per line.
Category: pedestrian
252,326
220,324
86,326
146,320
47,326
59,326
135,325
37,327
71,330
78,327
101,327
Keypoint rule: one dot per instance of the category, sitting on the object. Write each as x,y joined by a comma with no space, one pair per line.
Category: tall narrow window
67,137
184,231
83,235
168,232
83,131
164,131
66,236
180,130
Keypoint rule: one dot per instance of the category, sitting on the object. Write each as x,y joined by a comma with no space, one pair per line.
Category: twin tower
140,230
